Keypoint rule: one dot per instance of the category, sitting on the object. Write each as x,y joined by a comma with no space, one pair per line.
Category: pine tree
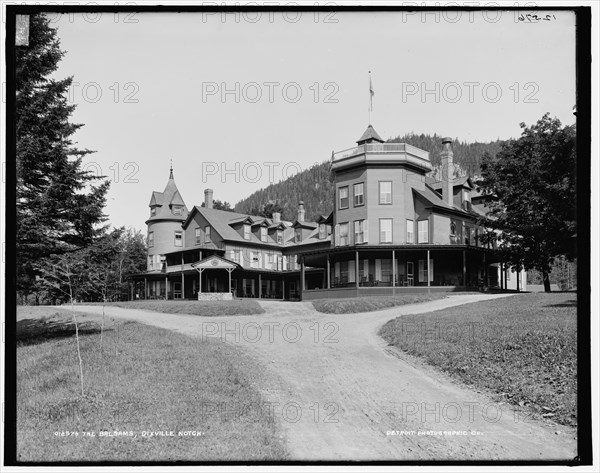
59,206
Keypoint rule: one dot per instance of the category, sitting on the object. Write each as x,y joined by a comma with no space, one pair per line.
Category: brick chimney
447,172
301,211
208,198
276,217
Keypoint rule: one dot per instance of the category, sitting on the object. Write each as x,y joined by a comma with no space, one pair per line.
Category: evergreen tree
532,185
59,206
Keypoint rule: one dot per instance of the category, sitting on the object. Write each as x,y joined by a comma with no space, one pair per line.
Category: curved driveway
340,393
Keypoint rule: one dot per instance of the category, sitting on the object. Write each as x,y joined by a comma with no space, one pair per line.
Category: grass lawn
522,348
204,308
144,379
371,303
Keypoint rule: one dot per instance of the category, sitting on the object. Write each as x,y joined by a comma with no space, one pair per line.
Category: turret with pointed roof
167,212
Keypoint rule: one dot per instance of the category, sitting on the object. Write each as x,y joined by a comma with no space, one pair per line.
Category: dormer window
176,210
322,231
263,234
280,237
246,231
298,235
207,234
153,211
466,195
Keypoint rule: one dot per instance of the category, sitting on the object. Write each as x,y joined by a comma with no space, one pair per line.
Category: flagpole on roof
371,94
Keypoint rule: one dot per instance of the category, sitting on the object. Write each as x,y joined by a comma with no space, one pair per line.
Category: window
385,192
176,210
344,234
359,232
263,233
452,229
298,235
322,231
270,261
198,235
424,270
246,231
343,191
207,234
385,230
150,239
386,270
150,263
410,231
466,195
359,194
178,238
423,229
467,235
235,256
254,259
280,237
153,211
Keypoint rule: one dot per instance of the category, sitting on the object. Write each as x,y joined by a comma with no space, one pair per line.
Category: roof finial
171,170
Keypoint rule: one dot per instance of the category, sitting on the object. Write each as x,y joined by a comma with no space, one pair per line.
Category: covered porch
367,271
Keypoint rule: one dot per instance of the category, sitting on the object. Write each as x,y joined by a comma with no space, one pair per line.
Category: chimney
301,211
276,217
447,172
208,198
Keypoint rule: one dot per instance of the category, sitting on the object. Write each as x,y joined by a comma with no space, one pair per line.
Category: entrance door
177,290
410,273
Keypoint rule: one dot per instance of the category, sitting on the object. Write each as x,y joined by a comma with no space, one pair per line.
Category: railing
384,148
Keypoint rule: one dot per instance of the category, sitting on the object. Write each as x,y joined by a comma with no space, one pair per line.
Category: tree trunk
546,278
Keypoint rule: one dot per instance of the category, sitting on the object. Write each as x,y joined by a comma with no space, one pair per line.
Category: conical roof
369,135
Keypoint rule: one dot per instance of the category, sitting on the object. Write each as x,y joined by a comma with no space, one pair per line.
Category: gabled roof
464,181
176,199
156,199
369,135
436,201
165,199
298,223
214,261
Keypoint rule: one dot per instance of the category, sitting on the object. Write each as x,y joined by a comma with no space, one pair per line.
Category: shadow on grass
36,331
571,303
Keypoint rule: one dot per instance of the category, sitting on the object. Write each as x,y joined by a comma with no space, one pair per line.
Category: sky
241,101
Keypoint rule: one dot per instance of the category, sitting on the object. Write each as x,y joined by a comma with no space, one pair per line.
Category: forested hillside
314,187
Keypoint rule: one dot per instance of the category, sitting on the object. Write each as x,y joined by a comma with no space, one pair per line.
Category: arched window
452,228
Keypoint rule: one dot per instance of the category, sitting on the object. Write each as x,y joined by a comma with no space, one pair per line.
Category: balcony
393,153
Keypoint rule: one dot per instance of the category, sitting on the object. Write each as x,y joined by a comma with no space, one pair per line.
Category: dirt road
340,393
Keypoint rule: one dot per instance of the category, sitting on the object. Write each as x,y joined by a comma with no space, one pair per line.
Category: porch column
517,276
356,270
182,279
166,287
133,290
283,288
428,273
259,286
145,288
328,273
505,277
464,255
485,272
393,268
301,276
200,281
